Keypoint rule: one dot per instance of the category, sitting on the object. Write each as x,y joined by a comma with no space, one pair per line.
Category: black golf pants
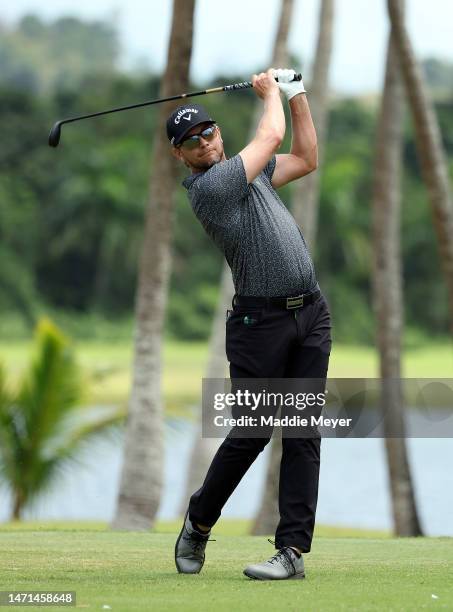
279,343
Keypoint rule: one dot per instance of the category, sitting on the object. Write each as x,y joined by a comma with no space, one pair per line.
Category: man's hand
285,83
265,84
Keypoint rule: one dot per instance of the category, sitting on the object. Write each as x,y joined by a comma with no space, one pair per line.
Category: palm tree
430,151
387,294
141,478
305,198
205,448
42,429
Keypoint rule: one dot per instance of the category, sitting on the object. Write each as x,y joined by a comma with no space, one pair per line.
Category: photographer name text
286,421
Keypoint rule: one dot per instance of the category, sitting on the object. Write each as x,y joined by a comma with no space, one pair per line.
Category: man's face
205,154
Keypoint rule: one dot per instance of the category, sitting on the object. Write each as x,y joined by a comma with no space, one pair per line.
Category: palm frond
68,450
52,386
8,435
49,390
82,427
43,430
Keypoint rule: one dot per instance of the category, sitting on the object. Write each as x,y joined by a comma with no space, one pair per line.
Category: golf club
55,132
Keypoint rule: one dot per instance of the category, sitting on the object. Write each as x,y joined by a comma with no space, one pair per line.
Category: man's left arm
303,156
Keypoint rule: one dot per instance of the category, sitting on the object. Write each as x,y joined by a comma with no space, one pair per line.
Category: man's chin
208,163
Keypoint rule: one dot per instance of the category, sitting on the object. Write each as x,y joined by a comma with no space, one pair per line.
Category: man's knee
309,448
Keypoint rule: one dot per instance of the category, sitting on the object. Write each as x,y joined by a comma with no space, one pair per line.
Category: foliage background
71,219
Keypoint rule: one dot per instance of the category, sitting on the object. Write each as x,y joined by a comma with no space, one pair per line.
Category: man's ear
176,153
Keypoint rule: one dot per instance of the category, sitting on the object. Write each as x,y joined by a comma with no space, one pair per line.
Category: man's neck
196,171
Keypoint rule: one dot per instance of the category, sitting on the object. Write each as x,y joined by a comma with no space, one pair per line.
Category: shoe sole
295,576
176,548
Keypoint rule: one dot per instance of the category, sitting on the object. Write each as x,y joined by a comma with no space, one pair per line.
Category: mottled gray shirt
259,237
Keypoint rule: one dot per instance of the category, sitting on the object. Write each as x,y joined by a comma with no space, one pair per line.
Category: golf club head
55,133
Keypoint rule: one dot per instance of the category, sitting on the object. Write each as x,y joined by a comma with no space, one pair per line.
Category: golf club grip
247,84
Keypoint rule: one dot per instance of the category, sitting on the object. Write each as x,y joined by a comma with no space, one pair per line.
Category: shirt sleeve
270,167
218,192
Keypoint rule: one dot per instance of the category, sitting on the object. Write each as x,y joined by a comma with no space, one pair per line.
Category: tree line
71,219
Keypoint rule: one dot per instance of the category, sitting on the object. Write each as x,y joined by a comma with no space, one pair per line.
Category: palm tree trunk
429,145
305,198
305,206
141,478
18,503
388,295
280,52
204,448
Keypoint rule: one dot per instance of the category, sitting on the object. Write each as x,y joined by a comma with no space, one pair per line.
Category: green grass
107,367
135,571
227,527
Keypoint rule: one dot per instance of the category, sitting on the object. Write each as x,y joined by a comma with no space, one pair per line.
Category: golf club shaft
54,136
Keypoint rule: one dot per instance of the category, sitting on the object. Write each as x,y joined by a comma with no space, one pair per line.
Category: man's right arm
271,128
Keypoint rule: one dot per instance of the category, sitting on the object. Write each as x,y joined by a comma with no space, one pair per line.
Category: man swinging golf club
288,333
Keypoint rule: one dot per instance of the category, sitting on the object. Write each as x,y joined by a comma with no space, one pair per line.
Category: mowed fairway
136,571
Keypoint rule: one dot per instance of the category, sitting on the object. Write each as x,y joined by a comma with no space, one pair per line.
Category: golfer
280,323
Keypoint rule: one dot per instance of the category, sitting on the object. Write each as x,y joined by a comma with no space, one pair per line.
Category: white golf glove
290,88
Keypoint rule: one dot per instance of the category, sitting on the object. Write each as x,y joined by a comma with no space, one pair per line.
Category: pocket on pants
247,339
247,317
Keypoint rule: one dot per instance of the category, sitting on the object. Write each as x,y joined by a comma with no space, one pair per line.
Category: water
353,485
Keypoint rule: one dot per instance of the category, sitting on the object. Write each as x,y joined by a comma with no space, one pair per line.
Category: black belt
295,301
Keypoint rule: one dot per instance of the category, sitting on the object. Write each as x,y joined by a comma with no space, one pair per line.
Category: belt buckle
294,302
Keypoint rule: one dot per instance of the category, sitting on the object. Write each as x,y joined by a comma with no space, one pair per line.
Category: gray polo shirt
259,237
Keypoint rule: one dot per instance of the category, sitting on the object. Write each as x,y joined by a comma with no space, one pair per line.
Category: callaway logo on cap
185,113
183,119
